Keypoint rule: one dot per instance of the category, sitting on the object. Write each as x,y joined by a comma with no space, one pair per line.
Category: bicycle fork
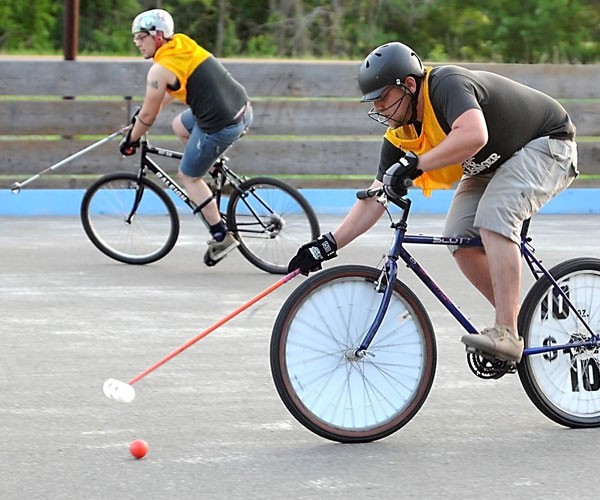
385,284
139,192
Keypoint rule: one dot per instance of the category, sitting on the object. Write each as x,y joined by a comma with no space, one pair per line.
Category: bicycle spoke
565,385
337,390
271,220
138,238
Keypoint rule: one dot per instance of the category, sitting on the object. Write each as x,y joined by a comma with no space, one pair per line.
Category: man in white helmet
219,112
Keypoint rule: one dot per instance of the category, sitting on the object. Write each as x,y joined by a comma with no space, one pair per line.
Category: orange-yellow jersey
213,95
408,139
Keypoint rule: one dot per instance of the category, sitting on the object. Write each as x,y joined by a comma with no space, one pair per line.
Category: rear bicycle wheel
271,220
563,385
327,389
148,235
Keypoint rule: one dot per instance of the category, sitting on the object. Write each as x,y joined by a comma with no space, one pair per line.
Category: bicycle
353,351
131,218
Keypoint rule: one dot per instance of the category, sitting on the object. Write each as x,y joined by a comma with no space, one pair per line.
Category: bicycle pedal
484,356
472,351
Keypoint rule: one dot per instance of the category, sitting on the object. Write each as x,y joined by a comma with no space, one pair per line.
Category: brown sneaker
498,342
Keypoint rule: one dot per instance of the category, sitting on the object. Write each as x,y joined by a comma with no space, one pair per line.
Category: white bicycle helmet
152,21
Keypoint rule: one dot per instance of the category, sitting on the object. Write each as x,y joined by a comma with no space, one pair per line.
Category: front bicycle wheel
271,219
325,387
563,385
125,232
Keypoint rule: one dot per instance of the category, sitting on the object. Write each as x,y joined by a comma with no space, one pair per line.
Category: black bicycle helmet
388,64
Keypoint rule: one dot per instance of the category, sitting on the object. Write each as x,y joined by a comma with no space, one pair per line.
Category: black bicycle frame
148,163
397,251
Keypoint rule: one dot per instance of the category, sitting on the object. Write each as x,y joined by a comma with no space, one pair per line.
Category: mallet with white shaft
17,186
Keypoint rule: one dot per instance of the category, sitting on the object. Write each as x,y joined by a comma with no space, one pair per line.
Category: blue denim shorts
202,149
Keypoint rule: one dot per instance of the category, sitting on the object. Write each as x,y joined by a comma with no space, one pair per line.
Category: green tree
105,26
27,26
529,31
541,31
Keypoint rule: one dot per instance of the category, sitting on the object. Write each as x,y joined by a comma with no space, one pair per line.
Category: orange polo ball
138,448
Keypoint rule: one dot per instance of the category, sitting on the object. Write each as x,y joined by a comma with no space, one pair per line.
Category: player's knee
179,129
186,180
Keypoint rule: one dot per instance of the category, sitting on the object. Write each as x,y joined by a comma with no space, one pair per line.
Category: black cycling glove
126,147
395,178
310,255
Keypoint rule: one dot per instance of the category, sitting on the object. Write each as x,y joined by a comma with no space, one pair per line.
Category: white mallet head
119,391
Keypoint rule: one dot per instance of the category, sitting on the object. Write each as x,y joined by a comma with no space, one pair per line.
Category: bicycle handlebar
363,194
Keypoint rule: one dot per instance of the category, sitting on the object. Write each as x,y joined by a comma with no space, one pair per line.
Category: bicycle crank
487,367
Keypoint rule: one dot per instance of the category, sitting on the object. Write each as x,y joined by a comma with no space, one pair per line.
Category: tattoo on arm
153,84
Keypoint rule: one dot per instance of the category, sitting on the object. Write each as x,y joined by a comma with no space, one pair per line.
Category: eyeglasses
138,37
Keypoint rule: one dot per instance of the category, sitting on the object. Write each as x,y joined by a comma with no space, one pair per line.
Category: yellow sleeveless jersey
407,138
181,55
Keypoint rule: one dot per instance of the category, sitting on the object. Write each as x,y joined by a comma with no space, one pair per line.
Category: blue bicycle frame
397,251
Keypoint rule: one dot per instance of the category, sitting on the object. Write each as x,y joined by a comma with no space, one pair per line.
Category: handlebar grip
363,194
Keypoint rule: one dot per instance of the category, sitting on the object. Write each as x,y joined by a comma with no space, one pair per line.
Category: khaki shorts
500,201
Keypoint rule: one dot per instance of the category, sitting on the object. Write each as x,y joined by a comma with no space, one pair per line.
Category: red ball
138,448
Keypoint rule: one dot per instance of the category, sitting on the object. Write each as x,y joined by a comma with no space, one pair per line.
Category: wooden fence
307,115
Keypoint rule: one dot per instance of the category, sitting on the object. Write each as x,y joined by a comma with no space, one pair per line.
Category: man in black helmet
511,146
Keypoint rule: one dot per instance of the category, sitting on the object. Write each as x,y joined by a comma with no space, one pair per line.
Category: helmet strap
415,101
383,116
412,108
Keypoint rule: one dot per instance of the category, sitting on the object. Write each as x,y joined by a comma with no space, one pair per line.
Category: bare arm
468,135
362,217
156,90
167,99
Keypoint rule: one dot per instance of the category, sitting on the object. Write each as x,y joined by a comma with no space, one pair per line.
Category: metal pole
71,36
71,29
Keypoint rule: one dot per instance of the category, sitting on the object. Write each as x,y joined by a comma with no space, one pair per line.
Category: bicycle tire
271,220
565,385
151,234
352,401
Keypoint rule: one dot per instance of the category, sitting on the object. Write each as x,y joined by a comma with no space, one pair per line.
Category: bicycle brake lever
383,199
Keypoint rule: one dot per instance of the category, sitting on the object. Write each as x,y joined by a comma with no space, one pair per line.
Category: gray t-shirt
514,113
214,96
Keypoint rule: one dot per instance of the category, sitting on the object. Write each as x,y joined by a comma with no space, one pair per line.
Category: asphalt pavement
216,428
